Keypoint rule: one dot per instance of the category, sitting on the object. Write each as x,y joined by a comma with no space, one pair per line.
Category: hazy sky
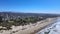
33,6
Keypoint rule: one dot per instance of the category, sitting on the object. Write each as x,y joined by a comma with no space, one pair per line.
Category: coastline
46,26
32,28
49,23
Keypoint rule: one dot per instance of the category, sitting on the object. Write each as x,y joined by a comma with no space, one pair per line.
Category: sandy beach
29,29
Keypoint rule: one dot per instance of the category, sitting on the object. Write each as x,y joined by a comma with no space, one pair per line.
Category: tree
1,19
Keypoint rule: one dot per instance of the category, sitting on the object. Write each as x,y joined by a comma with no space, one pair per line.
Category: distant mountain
27,14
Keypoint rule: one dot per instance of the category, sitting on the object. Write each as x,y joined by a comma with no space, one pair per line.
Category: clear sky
30,6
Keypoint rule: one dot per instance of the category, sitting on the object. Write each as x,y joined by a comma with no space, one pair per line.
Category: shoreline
46,26
32,28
